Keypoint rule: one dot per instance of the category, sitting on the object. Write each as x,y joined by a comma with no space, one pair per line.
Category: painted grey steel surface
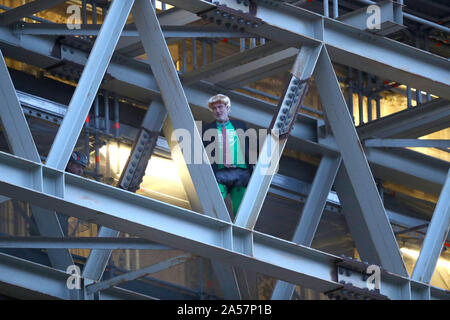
410,123
178,111
436,236
380,247
98,259
89,84
179,228
27,9
134,79
407,143
133,275
262,176
311,214
55,29
21,143
346,45
80,243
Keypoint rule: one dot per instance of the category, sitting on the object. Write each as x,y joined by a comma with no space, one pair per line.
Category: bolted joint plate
233,19
353,276
288,106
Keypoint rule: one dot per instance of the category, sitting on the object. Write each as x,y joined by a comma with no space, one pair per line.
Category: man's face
220,112
75,168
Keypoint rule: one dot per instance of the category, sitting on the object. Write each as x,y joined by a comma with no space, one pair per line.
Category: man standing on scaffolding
232,167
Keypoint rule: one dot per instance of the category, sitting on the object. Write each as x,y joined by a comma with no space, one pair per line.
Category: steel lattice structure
309,43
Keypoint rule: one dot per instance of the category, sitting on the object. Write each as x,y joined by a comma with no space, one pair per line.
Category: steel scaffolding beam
179,228
134,80
21,143
310,218
178,111
378,245
80,243
27,9
347,45
273,146
436,236
410,123
89,84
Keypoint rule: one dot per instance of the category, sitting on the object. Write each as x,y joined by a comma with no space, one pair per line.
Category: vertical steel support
194,53
21,143
312,212
204,55
408,97
180,117
360,98
357,191
178,108
116,117
326,9
335,9
89,84
378,101
106,102
435,237
263,173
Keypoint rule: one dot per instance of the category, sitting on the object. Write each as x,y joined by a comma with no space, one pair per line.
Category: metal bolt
282,118
279,125
296,82
285,110
288,102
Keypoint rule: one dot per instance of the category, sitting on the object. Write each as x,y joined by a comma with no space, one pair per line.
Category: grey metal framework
303,41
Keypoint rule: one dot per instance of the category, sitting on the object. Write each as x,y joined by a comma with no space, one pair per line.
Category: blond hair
219,98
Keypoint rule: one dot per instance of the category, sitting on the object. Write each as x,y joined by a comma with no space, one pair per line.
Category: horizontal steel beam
55,29
176,227
80,243
27,9
347,45
133,275
410,123
133,80
407,143
22,279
